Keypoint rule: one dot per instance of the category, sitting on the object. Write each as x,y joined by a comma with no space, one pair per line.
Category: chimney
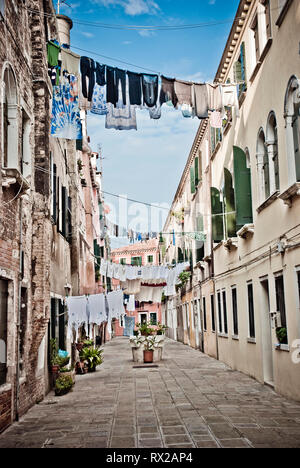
65,25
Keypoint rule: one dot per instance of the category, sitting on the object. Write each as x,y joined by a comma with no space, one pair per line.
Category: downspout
19,315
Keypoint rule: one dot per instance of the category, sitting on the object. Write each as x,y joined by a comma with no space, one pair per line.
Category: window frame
235,318
251,312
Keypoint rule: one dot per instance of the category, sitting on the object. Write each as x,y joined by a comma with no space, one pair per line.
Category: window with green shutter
239,70
242,185
217,215
229,204
192,177
197,172
136,261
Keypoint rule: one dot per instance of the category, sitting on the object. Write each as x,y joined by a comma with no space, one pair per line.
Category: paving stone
190,400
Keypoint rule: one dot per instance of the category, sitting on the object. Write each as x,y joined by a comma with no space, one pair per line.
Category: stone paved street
189,401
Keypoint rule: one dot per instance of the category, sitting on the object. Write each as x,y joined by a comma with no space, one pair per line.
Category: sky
147,164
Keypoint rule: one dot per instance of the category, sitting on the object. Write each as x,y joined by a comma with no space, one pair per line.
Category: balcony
292,192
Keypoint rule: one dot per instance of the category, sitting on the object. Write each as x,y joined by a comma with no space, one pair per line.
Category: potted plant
93,357
282,335
63,385
149,349
145,329
161,329
54,358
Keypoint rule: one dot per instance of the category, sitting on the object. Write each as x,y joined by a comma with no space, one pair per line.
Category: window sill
223,335
251,340
283,13
218,146
227,127
5,388
246,231
242,98
255,71
235,337
288,195
282,347
268,201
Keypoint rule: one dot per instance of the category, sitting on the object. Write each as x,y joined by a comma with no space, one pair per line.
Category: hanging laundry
167,92
103,267
87,69
70,62
77,313
110,270
131,287
53,51
97,308
121,119
150,90
65,118
135,88
129,326
115,301
230,97
201,101
99,105
111,89
120,79
214,97
183,90
100,74
131,303
216,120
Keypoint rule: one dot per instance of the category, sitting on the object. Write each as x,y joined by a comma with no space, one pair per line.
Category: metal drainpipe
19,317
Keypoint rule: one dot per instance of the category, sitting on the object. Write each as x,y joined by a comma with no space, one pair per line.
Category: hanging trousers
87,69
150,89
135,88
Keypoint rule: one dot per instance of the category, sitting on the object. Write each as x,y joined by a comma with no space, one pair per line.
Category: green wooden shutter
217,215
229,204
192,174
242,184
296,133
196,171
237,70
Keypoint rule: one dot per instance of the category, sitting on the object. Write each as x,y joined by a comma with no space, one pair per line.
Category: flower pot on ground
148,356
93,357
63,385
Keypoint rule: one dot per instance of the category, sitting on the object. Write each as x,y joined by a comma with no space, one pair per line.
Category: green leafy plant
161,329
149,343
87,343
282,335
63,385
184,278
54,358
93,356
145,329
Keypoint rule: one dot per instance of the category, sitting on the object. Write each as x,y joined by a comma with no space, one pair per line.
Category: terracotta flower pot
148,357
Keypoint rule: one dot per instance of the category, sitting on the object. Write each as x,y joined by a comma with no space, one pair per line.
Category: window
242,188
225,312
153,318
3,330
267,18
136,261
292,116
150,259
26,151
220,312
204,314
10,121
254,28
235,311
2,8
212,313
298,277
280,301
122,261
240,71
251,311
263,166
216,137
196,173
57,322
272,148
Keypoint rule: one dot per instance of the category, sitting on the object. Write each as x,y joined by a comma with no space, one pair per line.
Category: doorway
267,345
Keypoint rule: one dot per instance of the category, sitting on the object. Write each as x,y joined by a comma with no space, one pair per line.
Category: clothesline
79,82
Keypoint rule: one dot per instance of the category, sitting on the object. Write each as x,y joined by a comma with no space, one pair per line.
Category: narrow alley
188,401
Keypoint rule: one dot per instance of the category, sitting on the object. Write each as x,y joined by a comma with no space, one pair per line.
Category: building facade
40,188
145,253
249,304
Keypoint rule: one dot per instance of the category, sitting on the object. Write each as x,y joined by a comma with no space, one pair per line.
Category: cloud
87,34
127,42
132,7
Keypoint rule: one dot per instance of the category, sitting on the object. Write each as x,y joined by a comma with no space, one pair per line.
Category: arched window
263,166
272,148
291,113
10,120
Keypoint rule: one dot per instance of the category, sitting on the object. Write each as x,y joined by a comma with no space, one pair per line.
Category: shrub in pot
149,349
93,357
63,385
